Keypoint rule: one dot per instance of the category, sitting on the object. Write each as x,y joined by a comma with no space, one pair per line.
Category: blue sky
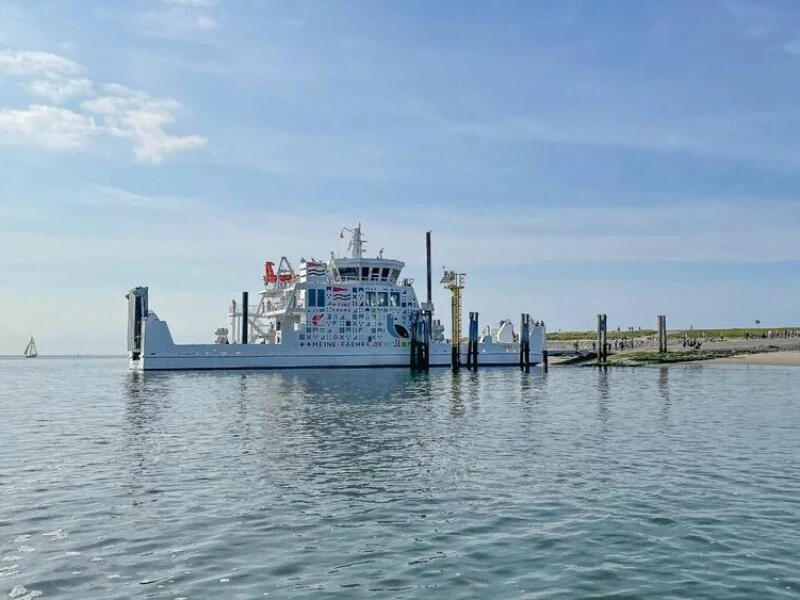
573,157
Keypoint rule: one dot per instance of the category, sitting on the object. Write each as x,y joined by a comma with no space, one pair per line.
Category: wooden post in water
475,343
413,342
662,333
412,346
528,342
472,342
426,343
244,317
421,328
525,342
429,305
455,313
602,346
420,343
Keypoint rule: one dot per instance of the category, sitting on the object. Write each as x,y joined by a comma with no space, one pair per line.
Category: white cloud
39,64
49,75
792,47
206,23
123,113
132,114
525,129
60,91
103,196
181,18
756,18
48,127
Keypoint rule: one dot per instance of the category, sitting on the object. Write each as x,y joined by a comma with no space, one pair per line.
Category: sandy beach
732,351
782,358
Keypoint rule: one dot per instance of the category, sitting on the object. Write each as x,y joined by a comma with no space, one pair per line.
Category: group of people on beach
616,345
693,342
786,333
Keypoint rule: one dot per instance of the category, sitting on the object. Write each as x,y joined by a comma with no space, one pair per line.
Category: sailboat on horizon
30,349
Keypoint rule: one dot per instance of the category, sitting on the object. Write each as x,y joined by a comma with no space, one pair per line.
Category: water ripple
669,483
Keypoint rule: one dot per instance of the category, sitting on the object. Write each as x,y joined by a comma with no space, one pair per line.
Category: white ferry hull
160,353
211,362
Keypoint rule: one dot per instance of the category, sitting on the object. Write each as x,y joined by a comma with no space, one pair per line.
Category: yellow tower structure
455,283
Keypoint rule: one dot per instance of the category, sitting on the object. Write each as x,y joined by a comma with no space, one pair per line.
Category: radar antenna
356,245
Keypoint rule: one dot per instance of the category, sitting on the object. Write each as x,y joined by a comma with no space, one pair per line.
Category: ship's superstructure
350,311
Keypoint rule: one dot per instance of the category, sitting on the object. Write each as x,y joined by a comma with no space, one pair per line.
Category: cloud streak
111,111
47,127
181,17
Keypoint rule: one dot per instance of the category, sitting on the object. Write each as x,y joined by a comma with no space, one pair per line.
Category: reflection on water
604,395
663,390
456,397
664,482
145,398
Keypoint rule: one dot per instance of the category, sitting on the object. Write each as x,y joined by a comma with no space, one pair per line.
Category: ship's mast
356,243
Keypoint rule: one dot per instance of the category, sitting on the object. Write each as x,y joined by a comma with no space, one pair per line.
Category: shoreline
782,358
783,352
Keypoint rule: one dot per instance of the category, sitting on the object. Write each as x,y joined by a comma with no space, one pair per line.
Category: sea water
678,482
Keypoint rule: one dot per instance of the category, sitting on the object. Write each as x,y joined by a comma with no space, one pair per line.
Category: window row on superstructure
369,274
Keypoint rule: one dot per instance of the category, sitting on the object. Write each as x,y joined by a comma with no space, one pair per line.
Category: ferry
348,311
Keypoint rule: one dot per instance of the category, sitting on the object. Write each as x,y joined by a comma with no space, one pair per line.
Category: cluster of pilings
602,338
472,345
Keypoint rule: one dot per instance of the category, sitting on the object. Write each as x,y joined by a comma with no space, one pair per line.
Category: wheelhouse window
348,272
385,273
365,273
376,273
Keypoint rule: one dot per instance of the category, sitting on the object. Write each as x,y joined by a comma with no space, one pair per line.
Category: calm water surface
681,482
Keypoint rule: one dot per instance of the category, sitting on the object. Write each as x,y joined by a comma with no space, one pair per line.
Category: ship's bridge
368,269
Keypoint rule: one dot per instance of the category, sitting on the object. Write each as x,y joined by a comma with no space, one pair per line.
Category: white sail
30,349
